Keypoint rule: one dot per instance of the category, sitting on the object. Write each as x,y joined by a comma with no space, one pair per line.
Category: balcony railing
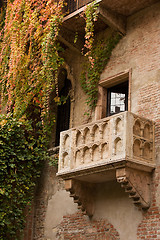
73,5
124,136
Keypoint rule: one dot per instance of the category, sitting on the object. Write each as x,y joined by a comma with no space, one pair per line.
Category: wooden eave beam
78,11
113,20
67,37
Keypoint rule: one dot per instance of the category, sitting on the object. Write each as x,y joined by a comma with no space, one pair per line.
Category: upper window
117,99
114,95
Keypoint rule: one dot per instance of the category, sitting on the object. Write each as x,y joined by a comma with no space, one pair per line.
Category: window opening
63,111
117,99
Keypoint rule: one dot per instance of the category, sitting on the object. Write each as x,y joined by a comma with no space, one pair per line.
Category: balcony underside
134,178
111,14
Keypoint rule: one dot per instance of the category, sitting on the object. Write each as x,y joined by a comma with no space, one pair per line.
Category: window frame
104,84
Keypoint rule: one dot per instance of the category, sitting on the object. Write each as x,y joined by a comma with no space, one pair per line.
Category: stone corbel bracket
82,194
137,183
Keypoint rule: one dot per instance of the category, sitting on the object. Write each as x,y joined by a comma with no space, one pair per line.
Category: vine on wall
90,15
21,158
29,56
29,62
90,75
97,55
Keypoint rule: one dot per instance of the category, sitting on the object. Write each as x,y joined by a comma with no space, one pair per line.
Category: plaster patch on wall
58,206
113,204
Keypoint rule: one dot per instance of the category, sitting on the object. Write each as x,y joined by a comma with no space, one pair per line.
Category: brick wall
28,231
149,228
79,227
149,106
140,51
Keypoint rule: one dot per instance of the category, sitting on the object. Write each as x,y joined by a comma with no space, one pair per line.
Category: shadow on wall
112,203
58,206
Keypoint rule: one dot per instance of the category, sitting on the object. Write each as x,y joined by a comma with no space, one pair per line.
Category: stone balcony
110,140
119,147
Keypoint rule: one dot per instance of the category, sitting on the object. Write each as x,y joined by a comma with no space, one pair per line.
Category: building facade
107,185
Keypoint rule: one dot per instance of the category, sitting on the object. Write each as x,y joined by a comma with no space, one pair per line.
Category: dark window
117,99
63,112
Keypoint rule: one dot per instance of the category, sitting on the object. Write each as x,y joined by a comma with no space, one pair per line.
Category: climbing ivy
29,58
96,56
90,15
21,157
90,76
2,17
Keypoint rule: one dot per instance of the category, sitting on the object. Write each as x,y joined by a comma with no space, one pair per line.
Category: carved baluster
92,136
100,149
101,132
91,153
142,148
151,151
